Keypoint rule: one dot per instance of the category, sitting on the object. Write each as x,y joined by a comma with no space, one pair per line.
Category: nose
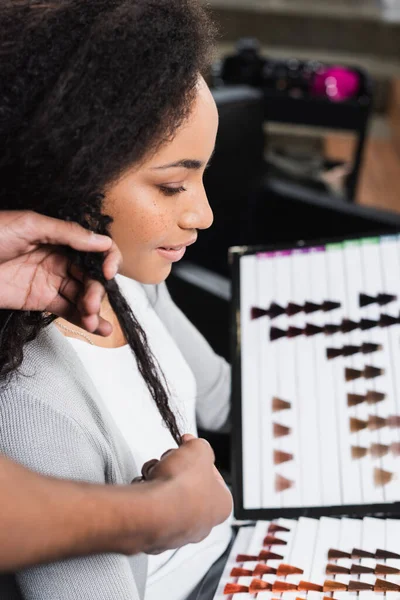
197,213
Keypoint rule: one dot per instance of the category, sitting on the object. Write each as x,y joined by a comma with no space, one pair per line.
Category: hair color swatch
319,375
320,556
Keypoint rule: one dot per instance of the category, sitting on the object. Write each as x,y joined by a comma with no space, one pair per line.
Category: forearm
44,519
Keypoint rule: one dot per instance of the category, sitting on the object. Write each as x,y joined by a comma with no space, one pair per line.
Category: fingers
96,325
70,290
187,438
67,305
84,304
62,233
167,453
64,303
62,308
182,458
148,467
89,304
198,445
89,307
112,262
39,229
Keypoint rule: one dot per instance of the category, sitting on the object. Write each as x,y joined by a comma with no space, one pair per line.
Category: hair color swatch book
315,559
317,378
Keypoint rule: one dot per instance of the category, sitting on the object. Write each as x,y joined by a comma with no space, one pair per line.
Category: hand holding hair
193,495
183,498
36,274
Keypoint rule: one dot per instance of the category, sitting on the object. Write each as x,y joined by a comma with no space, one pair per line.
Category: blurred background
361,33
308,93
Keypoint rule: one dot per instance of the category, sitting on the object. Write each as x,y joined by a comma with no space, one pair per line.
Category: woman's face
158,206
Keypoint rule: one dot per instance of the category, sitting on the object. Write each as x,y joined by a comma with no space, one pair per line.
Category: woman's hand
35,274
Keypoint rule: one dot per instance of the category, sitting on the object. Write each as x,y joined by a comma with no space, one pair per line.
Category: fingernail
112,270
138,480
97,237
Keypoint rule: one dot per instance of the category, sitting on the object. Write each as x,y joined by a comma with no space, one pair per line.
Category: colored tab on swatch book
317,249
370,240
283,253
352,244
262,569
334,247
266,254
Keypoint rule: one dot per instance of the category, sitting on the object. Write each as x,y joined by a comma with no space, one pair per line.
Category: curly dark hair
88,88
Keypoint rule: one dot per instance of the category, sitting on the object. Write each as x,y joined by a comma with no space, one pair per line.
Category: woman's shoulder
49,368
53,381
51,395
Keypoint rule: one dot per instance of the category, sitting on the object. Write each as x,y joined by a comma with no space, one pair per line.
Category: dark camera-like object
245,66
289,77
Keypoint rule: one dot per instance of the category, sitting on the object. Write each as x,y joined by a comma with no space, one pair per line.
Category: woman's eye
171,191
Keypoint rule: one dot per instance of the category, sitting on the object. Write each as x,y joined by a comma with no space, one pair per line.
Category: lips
179,247
174,253
174,248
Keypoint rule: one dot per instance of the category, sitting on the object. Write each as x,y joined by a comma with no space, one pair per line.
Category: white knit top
115,374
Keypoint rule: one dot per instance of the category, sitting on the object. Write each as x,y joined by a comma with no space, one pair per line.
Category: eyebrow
193,165
186,163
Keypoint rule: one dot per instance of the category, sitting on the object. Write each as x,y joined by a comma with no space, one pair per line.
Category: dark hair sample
87,89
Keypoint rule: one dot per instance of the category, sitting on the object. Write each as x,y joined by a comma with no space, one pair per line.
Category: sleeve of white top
212,372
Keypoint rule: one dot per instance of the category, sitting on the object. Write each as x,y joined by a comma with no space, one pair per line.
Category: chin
150,277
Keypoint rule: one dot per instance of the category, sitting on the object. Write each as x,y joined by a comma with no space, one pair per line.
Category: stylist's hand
197,498
36,275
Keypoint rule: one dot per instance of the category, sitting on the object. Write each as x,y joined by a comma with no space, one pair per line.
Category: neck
115,340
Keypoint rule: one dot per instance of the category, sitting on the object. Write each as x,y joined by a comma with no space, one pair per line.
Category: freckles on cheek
153,227
139,219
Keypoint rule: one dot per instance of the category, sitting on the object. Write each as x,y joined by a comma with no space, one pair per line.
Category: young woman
107,121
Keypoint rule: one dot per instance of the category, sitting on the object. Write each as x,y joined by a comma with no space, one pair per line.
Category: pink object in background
336,83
